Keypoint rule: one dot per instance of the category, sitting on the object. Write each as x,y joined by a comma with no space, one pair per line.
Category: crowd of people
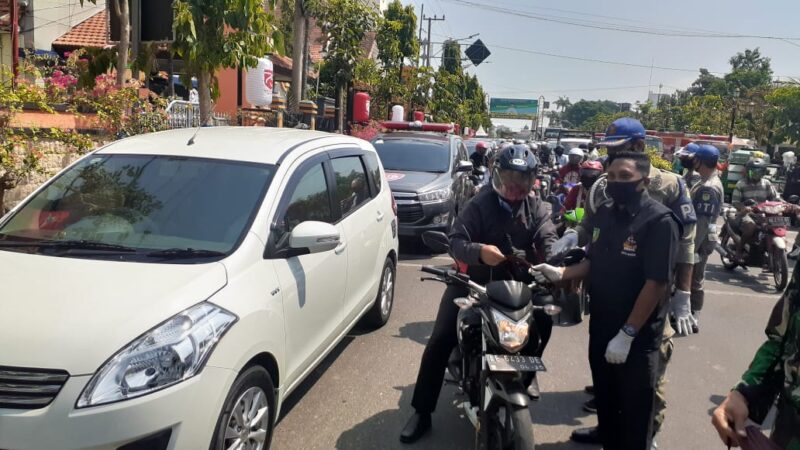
648,235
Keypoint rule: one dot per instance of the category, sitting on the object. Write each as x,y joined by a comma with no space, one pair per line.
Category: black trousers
625,396
444,339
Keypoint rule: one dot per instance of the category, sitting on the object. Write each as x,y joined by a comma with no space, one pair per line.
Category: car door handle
340,248
380,216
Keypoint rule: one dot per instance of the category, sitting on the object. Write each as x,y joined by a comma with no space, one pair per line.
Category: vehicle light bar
418,126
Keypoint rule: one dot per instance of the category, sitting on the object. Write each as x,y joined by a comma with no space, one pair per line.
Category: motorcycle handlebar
451,276
433,271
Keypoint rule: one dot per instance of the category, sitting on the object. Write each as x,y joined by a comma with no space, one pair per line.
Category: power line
613,27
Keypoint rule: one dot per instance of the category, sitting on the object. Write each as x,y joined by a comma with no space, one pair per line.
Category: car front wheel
247,417
379,314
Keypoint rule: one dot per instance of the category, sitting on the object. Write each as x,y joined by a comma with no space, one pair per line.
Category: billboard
513,108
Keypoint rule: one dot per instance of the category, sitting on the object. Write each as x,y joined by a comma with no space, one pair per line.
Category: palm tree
562,103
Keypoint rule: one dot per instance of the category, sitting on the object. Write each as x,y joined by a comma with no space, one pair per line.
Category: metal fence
183,114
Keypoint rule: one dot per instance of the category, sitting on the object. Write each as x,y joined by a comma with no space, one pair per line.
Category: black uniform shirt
479,160
629,246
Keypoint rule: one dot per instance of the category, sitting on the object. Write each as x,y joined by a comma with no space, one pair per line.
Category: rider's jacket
707,197
487,219
759,191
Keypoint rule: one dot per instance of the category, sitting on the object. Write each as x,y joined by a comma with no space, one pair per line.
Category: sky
527,73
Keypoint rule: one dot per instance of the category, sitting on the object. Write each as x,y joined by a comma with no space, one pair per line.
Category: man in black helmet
501,220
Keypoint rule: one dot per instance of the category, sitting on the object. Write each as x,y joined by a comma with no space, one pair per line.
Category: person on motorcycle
570,173
545,155
754,187
629,267
589,173
498,222
707,198
669,189
561,159
480,158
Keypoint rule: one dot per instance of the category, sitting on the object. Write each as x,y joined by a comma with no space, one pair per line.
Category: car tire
381,310
253,386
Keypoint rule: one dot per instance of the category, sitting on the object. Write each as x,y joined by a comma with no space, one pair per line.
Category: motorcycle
768,246
494,324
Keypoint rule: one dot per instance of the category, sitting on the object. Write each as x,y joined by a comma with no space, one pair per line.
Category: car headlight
438,195
512,335
167,354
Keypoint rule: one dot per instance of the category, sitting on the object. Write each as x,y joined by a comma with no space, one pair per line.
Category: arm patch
707,202
682,206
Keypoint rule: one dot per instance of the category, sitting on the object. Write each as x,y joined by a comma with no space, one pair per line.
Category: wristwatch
630,330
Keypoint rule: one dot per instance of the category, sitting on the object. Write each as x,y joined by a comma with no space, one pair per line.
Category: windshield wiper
179,253
71,245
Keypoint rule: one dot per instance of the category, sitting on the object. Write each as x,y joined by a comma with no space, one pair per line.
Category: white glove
680,306
567,242
545,273
618,349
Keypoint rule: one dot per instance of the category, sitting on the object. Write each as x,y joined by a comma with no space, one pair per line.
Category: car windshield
414,155
140,208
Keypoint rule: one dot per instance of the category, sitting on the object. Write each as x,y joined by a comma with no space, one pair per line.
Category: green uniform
775,370
669,189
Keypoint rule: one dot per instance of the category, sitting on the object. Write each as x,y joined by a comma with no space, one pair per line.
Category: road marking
741,294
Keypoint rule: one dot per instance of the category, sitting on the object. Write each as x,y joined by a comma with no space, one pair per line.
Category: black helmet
514,172
756,169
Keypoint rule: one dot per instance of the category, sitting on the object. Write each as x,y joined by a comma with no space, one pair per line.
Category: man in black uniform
503,219
480,158
629,268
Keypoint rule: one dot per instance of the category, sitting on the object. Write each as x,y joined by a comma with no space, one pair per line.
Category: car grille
409,213
29,388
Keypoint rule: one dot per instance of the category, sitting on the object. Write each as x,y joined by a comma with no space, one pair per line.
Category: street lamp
736,93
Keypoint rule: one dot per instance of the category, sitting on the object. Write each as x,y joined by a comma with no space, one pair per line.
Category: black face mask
624,192
687,163
588,180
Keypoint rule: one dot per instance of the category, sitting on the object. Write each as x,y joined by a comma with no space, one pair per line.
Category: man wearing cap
670,190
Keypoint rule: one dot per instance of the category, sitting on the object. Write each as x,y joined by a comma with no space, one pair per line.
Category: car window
414,155
146,203
463,155
375,170
351,183
309,200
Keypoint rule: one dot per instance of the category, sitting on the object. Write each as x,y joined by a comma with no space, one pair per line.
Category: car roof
580,140
248,144
399,135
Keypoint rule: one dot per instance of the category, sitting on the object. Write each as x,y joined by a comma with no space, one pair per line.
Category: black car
429,174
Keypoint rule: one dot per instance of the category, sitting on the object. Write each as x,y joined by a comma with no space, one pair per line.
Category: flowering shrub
366,132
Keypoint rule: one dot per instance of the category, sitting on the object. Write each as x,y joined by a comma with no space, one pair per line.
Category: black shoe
589,389
416,427
533,389
590,406
586,435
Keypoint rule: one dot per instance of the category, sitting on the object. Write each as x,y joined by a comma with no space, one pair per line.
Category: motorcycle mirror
437,241
574,256
794,199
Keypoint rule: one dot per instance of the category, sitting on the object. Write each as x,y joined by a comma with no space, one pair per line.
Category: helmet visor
756,174
513,185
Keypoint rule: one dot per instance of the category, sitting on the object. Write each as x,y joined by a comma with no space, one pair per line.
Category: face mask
687,163
624,192
588,181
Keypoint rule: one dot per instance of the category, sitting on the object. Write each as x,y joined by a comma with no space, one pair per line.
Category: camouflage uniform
707,196
775,370
669,189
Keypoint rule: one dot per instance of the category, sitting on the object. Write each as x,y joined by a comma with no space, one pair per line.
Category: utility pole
421,14
430,50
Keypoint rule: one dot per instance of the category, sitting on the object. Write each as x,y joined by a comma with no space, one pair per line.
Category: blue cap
707,154
689,150
622,131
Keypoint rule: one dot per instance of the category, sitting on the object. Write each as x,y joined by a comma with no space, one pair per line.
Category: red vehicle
768,247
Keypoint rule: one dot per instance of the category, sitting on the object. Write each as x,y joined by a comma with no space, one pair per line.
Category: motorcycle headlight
167,354
438,195
512,335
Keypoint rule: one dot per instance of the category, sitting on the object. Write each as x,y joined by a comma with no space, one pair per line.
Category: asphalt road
359,397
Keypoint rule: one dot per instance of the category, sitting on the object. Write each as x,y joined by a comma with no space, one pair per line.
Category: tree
121,10
785,114
458,97
584,110
562,103
749,70
397,35
708,84
347,23
214,34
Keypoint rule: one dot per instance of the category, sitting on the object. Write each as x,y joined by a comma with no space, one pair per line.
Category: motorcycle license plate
779,221
515,363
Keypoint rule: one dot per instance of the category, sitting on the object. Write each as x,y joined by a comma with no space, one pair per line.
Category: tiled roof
92,32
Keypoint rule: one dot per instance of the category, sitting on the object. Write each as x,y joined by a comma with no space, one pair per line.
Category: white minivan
169,290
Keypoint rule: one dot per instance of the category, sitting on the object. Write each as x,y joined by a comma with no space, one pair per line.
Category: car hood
414,181
74,314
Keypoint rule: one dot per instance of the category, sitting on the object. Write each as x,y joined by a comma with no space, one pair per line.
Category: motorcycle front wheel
727,262
507,428
523,430
780,268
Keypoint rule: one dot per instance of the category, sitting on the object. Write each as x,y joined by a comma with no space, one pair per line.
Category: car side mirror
314,237
464,166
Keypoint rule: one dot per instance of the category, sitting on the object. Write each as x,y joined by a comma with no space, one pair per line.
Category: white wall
46,20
